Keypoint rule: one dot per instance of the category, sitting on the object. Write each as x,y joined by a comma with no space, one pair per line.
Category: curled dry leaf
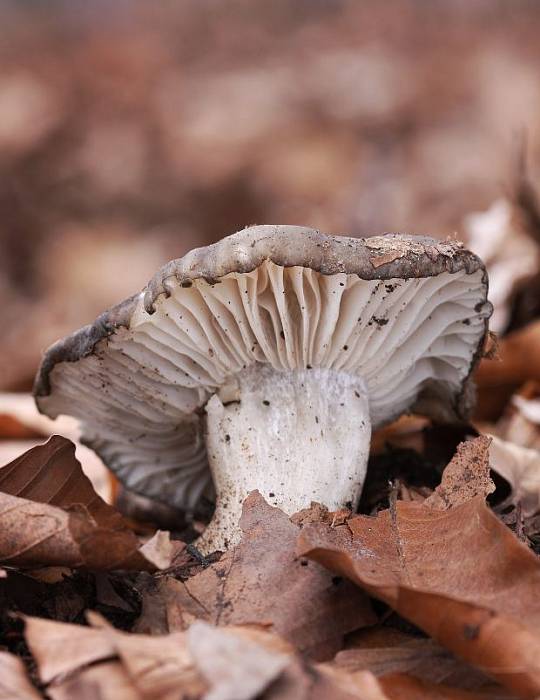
509,253
50,515
206,663
466,475
386,652
314,610
235,667
14,683
520,423
107,681
458,574
519,362
398,686
520,466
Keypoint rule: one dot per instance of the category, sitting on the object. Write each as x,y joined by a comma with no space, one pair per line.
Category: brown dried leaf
59,649
215,663
50,515
459,574
519,362
50,473
520,466
235,667
12,429
107,681
14,683
399,686
315,609
385,651
466,476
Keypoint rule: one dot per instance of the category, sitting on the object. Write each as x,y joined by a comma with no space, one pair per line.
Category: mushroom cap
407,313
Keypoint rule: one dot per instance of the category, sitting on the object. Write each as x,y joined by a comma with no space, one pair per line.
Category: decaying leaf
314,609
519,362
520,422
14,683
466,476
50,515
520,466
399,686
386,652
235,667
107,681
459,574
206,663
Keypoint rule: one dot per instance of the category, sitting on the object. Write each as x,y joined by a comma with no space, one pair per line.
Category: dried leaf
520,466
520,423
385,652
12,429
519,362
50,473
459,574
60,649
107,681
400,686
50,515
14,683
315,609
466,476
235,668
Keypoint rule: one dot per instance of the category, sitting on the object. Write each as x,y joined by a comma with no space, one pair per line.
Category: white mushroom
266,360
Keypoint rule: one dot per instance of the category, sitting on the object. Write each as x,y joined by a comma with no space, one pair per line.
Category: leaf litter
431,591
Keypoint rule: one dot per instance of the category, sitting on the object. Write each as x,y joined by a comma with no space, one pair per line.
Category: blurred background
131,132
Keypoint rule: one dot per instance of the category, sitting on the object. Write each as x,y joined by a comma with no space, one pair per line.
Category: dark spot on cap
266,403
227,438
186,283
345,347
271,494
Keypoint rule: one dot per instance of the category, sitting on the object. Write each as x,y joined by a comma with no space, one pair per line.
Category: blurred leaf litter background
131,132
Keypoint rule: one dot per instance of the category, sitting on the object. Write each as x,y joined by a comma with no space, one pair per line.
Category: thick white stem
295,435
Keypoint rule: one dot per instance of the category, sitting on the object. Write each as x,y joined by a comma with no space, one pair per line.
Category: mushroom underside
141,394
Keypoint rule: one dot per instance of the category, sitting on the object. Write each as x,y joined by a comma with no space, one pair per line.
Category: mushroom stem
295,435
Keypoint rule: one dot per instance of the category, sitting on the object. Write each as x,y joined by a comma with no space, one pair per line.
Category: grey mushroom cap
138,394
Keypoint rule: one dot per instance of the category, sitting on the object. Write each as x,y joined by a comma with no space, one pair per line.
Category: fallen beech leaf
466,475
14,683
12,429
50,473
60,648
423,658
231,663
520,466
22,408
70,524
234,667
399,686
314,611
509,253
108,681
519,362
520,423
459,574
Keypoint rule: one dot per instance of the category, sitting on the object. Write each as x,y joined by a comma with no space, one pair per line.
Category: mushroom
264,362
